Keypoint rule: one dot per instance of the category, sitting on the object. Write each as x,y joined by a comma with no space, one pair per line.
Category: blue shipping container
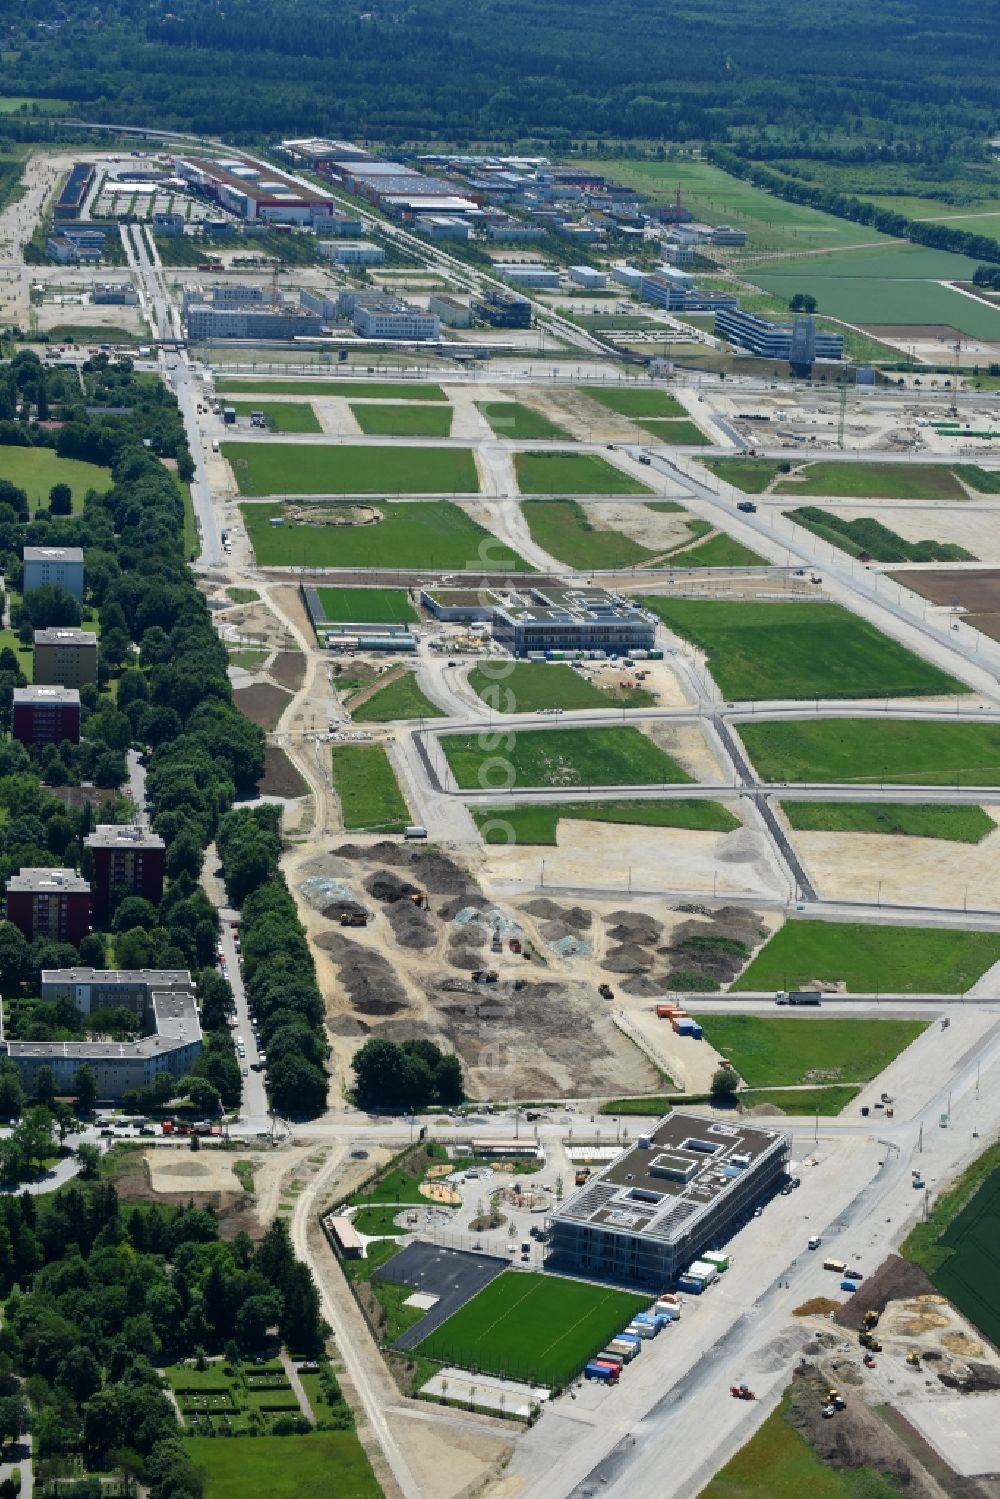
693,1287
848,1285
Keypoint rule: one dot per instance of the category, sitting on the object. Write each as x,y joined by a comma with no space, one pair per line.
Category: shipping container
848,1285
717,1258
606,1373
610,1357
626,1348
669,1309
690,1285
838,1265
703,1270
643,1329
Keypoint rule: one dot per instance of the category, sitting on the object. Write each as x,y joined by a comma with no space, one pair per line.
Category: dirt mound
435,872
449,909
645,986
633,927
894,1280
368,978
389,888
716,949
627,960
855,1439
742,846
347,1025
574,917
961,1345
411,926
338,908
818,1306
977,1379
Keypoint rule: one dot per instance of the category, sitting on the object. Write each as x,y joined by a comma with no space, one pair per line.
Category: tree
15,1418
725,1084
185,855
90,1161
85,1089
45,1085
803,302
253,1319
203,1095
11,1092
61,499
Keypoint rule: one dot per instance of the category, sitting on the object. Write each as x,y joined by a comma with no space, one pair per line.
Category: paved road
254,1115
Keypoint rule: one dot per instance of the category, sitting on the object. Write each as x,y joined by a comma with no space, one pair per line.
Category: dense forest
513,71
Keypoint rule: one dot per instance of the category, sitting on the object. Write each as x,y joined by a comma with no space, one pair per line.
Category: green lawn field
798,650
282,416
434,534
886,300
778,1463
876,481
372,606
399,699
369,793
343,468
526,686
35,470
676,433
752,475
518,422
13,104
934,820
826,1101
717,551
957,1244
636,401
868,752
561,757
304,1467
572,473
562,529
364,390
537,824
867,959
788,1050
381,419
539,1328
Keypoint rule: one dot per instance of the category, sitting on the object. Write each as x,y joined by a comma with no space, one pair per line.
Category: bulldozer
353,918
871,1343
870,1320
913,1359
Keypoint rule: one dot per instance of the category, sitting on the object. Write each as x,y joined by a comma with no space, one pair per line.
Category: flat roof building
46,715
684,1188
585,275
110,988
49,903
60,566
502,309
450,311
253,190
205,322
126,860
355,252
572,619
392,318
64,657
769,340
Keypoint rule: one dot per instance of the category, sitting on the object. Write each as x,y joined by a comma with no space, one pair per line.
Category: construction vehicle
515,944
605,991
868,1361
354,918
870,1318
867,1340
582,1174
913,1359
741,1392
836,1399
485,976
496,945
419,899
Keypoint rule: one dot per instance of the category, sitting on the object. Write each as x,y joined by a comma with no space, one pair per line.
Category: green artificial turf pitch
539,1328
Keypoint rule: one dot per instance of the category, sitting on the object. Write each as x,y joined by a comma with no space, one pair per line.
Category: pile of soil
465,947
450,908
978,1379
347,1025
817,1306
411,925
366,975
855,1438
389,888
573,917
633,928
338,908
632,959
644,986
717,949
894,1280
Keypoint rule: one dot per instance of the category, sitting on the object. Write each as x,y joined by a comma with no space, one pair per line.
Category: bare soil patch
280,776
894,1280
976,591
288,669
262,703
856,1438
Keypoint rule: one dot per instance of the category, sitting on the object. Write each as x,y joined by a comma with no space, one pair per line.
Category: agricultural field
369,793
363,390
285,1467
35,470
561,528
340,468
717,197
869,537
563,757
640,401
869,959
399,699
537,824
757,651
518,422
282,416
16,103
957,1245
527,686
436,534
572,473
875,481
867,751
752,475
955,824
371,606
787,1051
675,433
539,1328
382,419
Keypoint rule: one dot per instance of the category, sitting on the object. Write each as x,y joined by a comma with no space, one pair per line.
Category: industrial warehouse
680,1190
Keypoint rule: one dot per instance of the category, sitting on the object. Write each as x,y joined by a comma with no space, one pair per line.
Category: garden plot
902,870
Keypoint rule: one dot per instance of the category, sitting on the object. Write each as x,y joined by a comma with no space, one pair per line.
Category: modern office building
168,223
392,318
442,226
324,307
284,322
253,191
586,276
127,859
572,619
768,340
536,277
628,276
502,309
60,566
71,199
64,657
356,252
684,1188
45,715
725,234
449,310
49,903
164,1001
66,251
114,294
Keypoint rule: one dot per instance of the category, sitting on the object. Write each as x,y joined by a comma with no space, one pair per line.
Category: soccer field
534,1327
